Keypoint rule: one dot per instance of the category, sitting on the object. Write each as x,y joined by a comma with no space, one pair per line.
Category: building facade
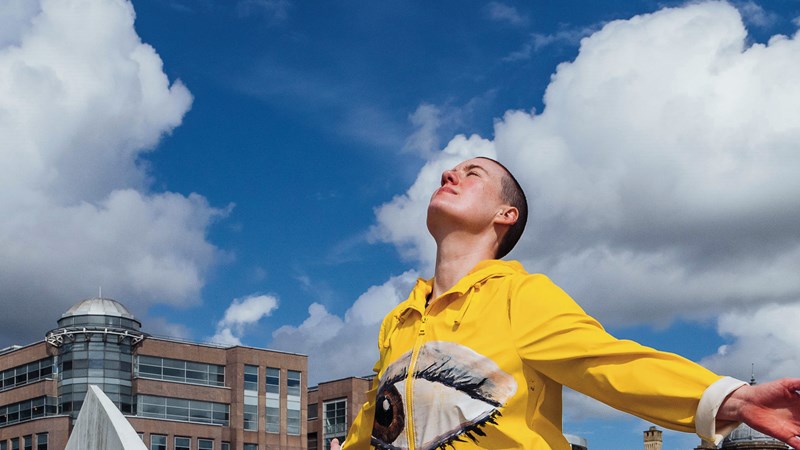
177,395
332,407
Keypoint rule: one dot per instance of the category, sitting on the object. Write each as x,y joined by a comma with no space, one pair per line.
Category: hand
772,408
335,444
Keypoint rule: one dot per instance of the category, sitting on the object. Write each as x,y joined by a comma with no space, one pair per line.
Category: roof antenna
100,291
752,374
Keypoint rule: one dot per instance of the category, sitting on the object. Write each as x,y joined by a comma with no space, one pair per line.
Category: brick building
332,406
177,395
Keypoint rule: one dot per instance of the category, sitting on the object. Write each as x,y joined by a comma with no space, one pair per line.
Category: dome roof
743,433
99,307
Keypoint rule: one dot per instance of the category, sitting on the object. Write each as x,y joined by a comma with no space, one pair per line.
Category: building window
312,411
312,441
205,444
27,442
158,442
250,446
293,382
251,378
180,371
293,402
183,410
273,388
3,445
335,420
183,443
103,363
14,443
41,441
225,446
250,397
26,373
27,410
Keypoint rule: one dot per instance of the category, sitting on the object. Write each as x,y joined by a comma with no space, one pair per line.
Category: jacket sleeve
555,337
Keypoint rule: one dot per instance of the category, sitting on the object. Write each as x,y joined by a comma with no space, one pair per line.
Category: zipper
419,340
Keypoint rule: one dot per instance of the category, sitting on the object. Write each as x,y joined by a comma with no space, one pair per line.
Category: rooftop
99,307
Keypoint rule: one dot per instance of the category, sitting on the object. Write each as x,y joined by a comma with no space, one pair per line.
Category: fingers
791,383
794,442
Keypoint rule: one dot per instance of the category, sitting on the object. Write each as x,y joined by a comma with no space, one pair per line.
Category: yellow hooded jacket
483,365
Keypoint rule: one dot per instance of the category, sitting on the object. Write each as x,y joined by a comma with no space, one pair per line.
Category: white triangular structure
101,426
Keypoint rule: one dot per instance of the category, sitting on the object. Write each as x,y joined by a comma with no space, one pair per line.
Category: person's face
469,192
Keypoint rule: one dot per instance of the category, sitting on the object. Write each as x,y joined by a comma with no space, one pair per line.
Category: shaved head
511,193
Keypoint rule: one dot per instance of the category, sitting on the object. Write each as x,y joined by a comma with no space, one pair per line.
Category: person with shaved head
477,356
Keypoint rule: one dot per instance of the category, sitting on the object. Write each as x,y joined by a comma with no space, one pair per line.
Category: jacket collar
482,271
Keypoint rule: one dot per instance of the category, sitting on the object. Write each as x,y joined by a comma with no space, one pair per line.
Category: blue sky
256,171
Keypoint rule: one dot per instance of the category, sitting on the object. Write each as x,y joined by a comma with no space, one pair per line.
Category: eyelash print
469,431
450,377
457,392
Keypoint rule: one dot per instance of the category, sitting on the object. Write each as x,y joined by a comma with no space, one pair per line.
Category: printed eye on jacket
453,393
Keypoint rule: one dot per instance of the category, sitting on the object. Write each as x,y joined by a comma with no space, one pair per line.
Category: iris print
390,419
456,393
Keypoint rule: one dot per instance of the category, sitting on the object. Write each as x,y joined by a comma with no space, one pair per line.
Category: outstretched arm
772,408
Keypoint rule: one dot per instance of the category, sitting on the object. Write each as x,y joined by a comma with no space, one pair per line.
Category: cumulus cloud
241,313
81,99
662,181
763,341
339,347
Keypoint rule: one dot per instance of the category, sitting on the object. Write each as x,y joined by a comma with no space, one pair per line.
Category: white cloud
755,14
662,180
160,326
432,123
579,407
660,173
340,347
424,141
241,313
81,98
225,337
501,12
764,337
15,19
538,41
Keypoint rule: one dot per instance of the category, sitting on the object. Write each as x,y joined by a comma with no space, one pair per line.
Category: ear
507,216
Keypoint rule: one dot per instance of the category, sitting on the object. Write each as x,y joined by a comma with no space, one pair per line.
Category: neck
456,255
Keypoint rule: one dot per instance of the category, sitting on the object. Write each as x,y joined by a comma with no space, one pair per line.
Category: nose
449,176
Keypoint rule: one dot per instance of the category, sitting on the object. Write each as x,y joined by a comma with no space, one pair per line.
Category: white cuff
706,417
